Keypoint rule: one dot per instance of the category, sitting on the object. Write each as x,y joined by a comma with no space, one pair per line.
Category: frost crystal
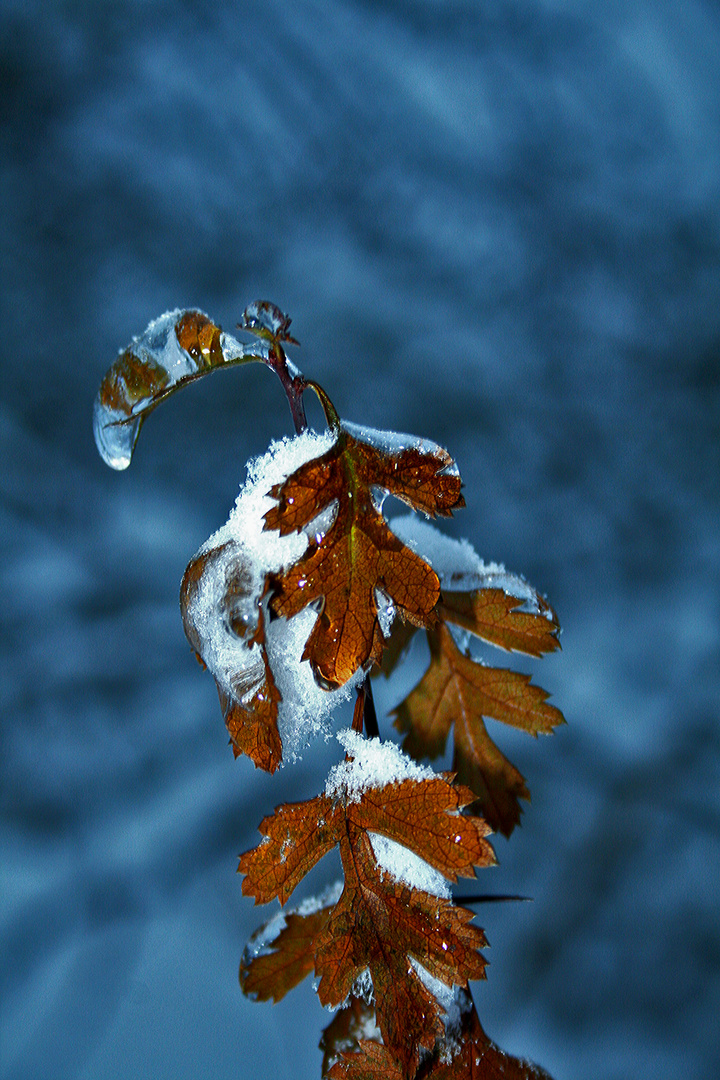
363,988
373,765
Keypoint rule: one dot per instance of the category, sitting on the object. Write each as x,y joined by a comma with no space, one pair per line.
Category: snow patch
373,764
405,866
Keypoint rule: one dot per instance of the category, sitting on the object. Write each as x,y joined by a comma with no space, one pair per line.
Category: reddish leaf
480,1059
358,556
380,923
457,690
269,971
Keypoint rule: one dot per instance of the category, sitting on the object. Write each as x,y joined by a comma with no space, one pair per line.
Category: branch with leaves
304,596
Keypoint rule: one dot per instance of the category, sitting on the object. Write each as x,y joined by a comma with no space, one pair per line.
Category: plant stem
292,383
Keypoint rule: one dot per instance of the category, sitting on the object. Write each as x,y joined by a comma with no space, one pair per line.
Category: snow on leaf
175,349
457,690
282,952
271,702
379,923
358,556
271,972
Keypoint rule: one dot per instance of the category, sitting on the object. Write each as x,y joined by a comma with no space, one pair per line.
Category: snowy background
495,224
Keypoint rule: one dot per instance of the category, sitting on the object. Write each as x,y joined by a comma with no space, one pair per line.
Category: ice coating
404,865
267,320
393,442
386,612
456,562
374,764
243,550
174,349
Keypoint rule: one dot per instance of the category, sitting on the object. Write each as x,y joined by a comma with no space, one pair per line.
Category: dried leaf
379,923
494,616
457,690
480,1059
270,970
357,557
249,698
370,1061
472,1056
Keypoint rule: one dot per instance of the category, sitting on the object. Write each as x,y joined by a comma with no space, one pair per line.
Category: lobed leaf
379,923
470,1056
494,616
272,971
456,691
357,557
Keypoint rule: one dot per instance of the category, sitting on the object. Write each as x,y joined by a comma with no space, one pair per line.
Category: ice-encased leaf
174,350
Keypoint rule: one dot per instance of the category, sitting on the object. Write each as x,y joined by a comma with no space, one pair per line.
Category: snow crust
394,442
373,764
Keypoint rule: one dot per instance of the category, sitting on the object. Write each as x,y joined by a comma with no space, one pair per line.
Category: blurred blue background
495,224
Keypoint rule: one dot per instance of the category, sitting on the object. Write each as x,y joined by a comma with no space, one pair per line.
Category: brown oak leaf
456,690
379,923
358,557
248,695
